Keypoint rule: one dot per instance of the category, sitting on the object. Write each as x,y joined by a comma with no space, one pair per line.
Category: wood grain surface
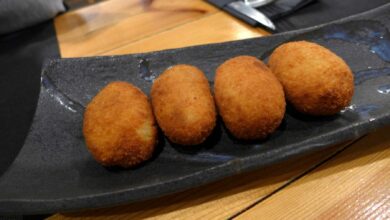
218,27
353,185
131,26
348,181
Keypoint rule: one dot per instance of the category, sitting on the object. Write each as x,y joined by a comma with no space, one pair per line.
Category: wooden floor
347,181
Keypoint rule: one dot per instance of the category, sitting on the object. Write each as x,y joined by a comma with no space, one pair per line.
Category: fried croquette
183,105
119,126
316,81
249,97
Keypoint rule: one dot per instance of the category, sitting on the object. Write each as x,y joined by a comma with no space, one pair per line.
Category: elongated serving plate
55,172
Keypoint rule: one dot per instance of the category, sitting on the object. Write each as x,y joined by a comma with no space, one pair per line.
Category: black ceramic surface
55,172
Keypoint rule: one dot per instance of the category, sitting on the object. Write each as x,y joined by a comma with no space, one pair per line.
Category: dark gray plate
55,172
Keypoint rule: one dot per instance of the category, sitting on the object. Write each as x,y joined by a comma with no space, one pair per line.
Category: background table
347,181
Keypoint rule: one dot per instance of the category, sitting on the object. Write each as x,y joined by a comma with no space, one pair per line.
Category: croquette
119,126
183,105
316,81
249,98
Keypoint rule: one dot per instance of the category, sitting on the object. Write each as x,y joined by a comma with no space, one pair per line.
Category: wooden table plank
216,28
115,23
353,185
218,200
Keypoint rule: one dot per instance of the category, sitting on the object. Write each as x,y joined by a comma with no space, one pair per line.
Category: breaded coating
183,105
316,81
119,126
249,97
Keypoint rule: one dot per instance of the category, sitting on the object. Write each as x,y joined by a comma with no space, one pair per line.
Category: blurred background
74,4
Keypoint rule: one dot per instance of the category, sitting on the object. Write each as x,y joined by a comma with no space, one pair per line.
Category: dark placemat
319,12
76,4
21,57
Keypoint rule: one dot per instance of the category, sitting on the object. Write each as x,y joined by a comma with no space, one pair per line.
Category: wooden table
347,181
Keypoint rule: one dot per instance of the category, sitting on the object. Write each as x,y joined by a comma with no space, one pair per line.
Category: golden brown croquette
119,126
249,97
316,81
183,105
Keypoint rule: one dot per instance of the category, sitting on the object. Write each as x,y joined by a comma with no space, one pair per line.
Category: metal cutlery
257,3
247,10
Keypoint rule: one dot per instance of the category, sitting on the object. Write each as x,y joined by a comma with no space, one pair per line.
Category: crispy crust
316,81
183,105
119,127
249,97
